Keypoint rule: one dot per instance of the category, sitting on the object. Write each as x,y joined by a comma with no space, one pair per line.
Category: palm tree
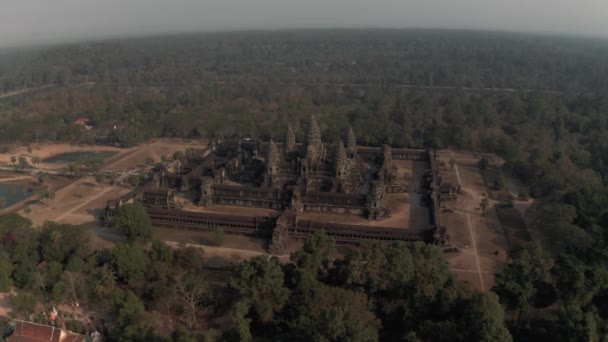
452,163
55,238
36,160
105,281
485,204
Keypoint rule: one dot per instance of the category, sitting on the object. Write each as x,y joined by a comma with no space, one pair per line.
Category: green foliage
484,205
13,223
576,324
129,263
25,259
379,267
24,302
189,258
161,252
484,318
576,282
22,163
218,237
517,283
241,330
316,254
47,194
130,325
133,221
333,314
484,163
378,292
6,268
499,181
260,283
60,241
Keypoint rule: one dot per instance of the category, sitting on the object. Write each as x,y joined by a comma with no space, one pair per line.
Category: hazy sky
26,21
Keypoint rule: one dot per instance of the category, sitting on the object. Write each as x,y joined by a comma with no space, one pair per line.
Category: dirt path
471,232
15,178
5,304
89,200
25,91
226,252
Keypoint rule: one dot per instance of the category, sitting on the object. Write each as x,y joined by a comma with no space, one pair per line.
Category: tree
13,160
378,267
316,254
484,319
178,155
452,163
23,164
343,316
576,282
161,252
484,163
484,205
133,221
241,330
129,263
130,317
192,294
47,194
13,223
104,281
99,178
36,160
577,324
499,182
181,334
259,282
6,268
24,302
218,237
516,282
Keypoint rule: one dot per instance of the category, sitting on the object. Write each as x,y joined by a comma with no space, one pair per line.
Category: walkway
471,231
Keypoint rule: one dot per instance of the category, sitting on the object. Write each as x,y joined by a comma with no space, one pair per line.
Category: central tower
313,140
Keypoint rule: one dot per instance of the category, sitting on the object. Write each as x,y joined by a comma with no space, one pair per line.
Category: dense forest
550,126
415,57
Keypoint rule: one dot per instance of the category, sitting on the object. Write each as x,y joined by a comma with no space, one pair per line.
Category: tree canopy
133,221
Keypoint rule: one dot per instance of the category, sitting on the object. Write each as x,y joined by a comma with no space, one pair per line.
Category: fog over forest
41,21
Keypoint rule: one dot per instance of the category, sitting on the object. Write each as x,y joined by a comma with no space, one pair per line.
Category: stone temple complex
286,190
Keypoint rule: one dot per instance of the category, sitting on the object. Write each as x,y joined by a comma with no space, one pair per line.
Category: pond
13,193
78,156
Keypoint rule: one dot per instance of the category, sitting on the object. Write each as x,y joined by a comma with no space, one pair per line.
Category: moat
15,193
78,156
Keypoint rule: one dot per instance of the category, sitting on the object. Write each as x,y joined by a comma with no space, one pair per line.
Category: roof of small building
35,332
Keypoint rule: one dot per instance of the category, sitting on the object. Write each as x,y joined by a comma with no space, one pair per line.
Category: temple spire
272,158
351,140
290,139
313,141
313,135
340,160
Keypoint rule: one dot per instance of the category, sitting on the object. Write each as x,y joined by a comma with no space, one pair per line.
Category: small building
33,332
84,122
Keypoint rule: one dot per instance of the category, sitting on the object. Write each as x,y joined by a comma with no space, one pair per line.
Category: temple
286,190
